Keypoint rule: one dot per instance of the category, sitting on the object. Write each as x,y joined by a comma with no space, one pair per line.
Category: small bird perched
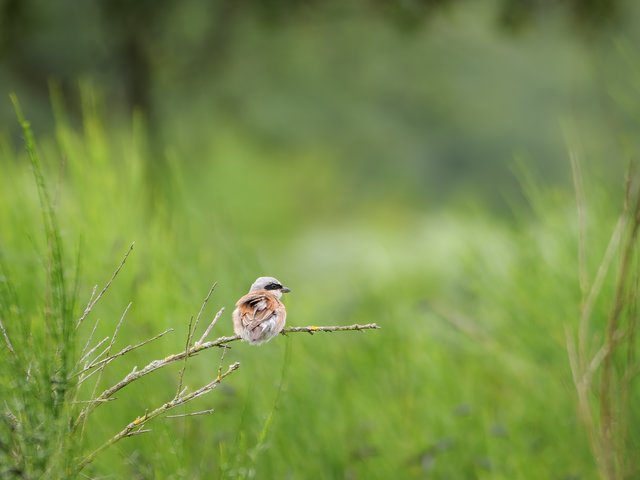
260,315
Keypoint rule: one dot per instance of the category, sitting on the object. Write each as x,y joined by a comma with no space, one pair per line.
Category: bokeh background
404,163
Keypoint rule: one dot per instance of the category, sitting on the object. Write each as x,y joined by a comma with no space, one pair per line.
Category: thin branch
87,310
224,351
337,328
90,339
136,374
192,414
124,351
83,378
113,339
211,325
90,401
96,359
138,432
204,304
90,352
139,422
186,347
107,350
93,301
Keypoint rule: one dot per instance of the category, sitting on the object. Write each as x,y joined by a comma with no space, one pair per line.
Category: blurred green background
404,163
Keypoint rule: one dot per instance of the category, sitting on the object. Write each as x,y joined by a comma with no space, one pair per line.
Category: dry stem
606,434
108,349
204,304
195,349
211,325
135,427
186,348
607,421
192,414
93,301
122,352
336,328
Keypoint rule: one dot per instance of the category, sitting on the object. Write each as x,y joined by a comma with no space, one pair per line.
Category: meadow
506,348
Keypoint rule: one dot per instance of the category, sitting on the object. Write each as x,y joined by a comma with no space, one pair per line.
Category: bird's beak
285,290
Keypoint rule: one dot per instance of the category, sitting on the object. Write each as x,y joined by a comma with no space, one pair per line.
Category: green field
469,183
469,376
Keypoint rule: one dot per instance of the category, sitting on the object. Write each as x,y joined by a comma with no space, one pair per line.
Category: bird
260,315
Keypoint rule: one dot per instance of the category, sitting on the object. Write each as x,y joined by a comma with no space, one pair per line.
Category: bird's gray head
271,284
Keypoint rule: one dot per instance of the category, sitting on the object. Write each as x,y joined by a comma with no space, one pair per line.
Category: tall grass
40,344
603,358
470,379
58,450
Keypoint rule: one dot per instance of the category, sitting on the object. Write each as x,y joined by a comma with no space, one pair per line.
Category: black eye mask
273,286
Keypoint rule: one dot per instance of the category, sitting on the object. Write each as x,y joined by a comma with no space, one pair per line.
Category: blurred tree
587,15
17,22
132,47
134,29
133,26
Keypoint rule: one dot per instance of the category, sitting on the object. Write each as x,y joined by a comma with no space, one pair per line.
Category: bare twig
136,425
89,340
138,432
93,301
105,351
86,376
192,414
91,401
211,325
122,352
192,328
186,348
87,310
113,339
136,374
204,304
90,352
224,350
337,328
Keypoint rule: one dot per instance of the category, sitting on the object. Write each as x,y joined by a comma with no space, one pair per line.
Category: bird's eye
273,286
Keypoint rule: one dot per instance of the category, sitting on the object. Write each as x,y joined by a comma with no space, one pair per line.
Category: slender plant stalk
135,427
607,426
93,301
194,350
